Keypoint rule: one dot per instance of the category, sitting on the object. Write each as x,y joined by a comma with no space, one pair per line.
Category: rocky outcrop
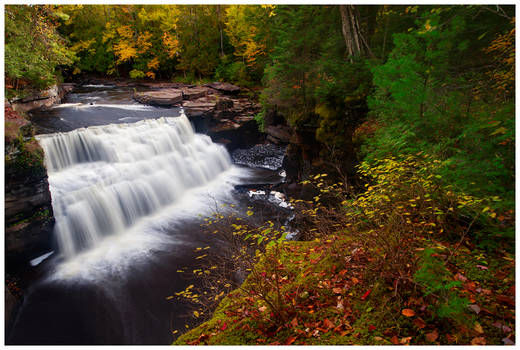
42,99
278,133
225,88
28,210
164,97
214,109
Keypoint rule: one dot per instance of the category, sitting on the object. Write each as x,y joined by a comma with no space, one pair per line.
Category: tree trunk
220,31
354,41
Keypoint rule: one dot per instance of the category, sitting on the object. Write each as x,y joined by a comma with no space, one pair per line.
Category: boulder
42,99
200,106
163,97
279,133
225,88
194,93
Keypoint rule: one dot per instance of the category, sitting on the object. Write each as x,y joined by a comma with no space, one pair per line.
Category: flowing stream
128,199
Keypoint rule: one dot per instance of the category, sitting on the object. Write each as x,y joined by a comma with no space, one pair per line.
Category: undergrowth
394,264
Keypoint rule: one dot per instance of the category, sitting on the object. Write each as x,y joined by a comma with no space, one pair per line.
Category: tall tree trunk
354,41
220,31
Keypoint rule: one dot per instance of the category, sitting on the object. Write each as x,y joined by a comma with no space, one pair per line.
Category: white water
105,181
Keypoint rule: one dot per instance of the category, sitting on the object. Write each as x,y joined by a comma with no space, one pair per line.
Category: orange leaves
290,340
171,44
408,312
367,293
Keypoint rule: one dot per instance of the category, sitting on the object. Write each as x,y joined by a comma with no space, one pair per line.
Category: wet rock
28,210
163,97
267,156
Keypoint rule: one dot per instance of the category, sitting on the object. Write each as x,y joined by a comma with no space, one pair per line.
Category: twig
461,239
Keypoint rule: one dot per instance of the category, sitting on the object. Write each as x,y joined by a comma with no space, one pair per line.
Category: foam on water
115,188
131,107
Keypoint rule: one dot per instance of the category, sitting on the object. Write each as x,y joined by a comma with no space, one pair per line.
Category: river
131,185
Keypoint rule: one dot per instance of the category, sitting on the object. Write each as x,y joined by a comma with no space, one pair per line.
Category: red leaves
505,299
419,323
294,322
367,293
371,328
394,340
223,327
432,336
328,324
290,340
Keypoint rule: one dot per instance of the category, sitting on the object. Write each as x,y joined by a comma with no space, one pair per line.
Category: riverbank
378,268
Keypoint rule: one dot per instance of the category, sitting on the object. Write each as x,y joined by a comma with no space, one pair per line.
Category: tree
33,48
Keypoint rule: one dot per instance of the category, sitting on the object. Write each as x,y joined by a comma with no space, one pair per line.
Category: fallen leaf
367,293
327,323
394,340
337,290
460,277
405,340
371,328
290,340
475,308
432,336
478,341
419,323
355,280
486,291
505,299
294,322
508,341
408,312
502,327
262,308
340,306
482,267
378,338
478,328
224,326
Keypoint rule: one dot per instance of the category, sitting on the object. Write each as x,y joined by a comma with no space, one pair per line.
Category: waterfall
103,179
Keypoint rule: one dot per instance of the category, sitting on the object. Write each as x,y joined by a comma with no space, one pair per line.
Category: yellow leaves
249,213
153,63
143,42
171,44
125,51
196,313
125,32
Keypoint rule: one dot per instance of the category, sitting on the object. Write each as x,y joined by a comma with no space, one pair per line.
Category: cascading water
103,179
